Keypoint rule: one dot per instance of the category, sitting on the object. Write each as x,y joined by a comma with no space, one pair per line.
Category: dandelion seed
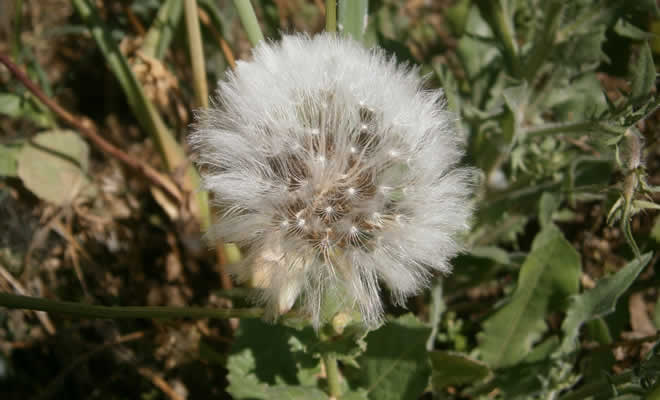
334,168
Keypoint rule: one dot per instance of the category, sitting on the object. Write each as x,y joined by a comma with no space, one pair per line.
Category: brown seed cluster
349,209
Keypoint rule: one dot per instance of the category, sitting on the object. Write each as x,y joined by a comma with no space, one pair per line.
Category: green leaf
244,384
160,33
549,274
628,30
8,160
548,205
15,106
395,365
270,362
643,74
599,301
54,164
450,368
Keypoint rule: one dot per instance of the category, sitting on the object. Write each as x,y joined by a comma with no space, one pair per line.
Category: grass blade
249,21
353,18
159,36
196,53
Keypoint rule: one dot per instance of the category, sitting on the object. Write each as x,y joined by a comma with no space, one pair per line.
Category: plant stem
196,53
161,31
18,28
249,21
331,15
145,112
500,22
104,312
571,127
332,374
353,18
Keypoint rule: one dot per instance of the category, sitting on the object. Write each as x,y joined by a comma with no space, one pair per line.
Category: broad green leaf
8,160
599,301
643,74
54,164
395,365
451,368
549,274
244,383
270,362
521,381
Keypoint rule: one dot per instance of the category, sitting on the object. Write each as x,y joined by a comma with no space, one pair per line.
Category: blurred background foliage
555,297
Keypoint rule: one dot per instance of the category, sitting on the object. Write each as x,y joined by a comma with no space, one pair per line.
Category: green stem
249,21
571,127
353,18
145,112
104,312
18,28
331,15
161,31
546,40
501,23
332,373
196,53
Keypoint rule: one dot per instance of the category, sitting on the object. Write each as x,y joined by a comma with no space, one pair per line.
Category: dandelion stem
105,312
249,21
331,15
196,53
332,374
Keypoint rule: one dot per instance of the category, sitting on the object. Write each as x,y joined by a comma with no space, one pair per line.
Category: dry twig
88,129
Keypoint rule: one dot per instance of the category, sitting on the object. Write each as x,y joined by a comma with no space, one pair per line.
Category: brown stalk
87,128
226,50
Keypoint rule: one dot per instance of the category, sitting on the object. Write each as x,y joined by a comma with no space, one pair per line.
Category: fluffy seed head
333,167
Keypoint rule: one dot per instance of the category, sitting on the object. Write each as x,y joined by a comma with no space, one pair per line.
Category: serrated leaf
271,362
450,368
643,74
8,160
54,164
549,274
599,301
395,365
244,384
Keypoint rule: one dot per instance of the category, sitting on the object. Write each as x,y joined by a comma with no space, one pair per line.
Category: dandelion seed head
333,167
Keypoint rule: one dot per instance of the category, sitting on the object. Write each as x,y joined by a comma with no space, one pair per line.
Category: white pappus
333,167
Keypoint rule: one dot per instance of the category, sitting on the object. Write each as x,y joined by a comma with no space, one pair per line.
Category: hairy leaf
599,301
550,273
451,368
643,74
395,365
